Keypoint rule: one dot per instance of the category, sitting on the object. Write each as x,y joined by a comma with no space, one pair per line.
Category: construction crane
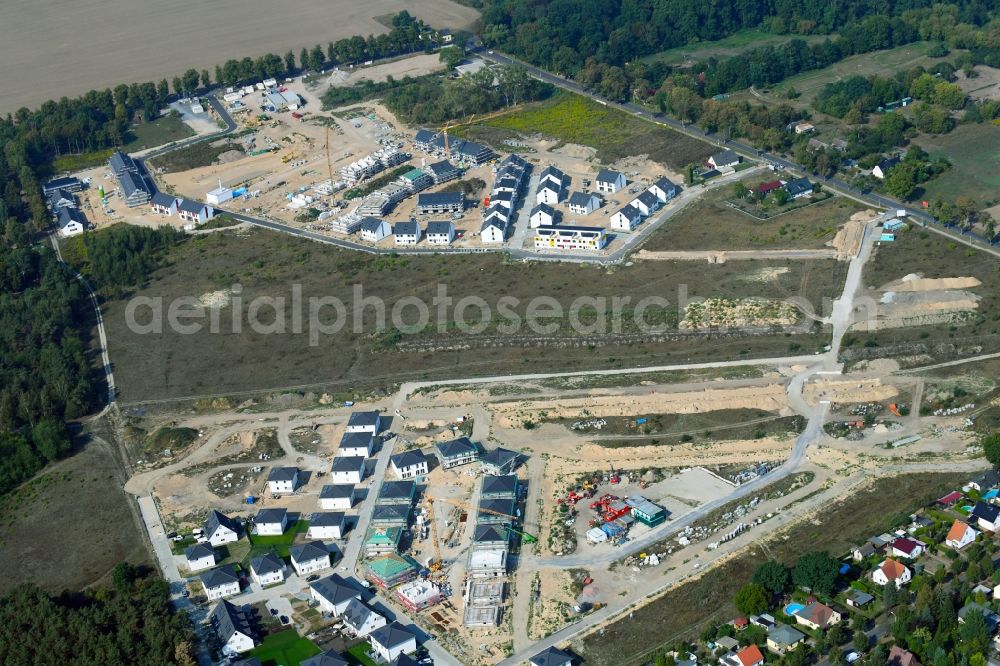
451,124
329,162
436,564
528,538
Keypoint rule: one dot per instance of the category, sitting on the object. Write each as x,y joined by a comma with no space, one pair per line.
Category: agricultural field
73,523
975,164
39,68
725,47
264,263
685,610
574,119
710,223
931,256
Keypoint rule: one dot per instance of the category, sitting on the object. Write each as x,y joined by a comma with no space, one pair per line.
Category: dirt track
54,48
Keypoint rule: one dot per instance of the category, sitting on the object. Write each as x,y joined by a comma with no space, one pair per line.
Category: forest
130,622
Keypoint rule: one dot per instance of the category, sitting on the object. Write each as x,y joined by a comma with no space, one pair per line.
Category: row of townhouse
380,160
504,199
408,232
440,145
136,190
193,212
645,204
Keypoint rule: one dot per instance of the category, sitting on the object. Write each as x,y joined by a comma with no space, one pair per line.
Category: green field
285,648
975,159
278,543
355,358
574,119
709,223
157,132
727,46
358,654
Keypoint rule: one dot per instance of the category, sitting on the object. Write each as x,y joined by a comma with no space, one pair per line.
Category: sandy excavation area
914,300
54,48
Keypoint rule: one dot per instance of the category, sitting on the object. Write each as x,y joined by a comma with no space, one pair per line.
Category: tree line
130,622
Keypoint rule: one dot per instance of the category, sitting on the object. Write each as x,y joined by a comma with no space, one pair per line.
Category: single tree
774,576
752,599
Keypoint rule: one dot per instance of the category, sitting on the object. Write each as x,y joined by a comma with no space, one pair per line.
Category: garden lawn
285,648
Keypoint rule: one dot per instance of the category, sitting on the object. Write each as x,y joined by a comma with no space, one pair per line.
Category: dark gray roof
494,221
198,551
267,563
783,634
391,635
370,224
219,576
473,149
798,186
132,182
215,519
860,598
440,198
580,199
391,513
58,196
551,657
456,448
283,474
364,418
121,162
335,589
404,660
437,227
227,619
552,171
336,490
67,215
608,176
544,208
408,458
648,198
442,168
64,182
397,490
406,228
189,206
328,658
548,185
515,159
424,136
271,516
326,519
987,512
353,440
504,506
725,157
348,463
499,484
163,199
499,457
306,552
665,184
987,479
488,534
888,163
249,661
630,211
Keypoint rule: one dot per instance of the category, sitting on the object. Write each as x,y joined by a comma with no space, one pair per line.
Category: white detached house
891,571
220,529
268,569
369,422
409,464
333,595
283,480
960,535
326,525
231,625
199,557
271,522
220,582
393,640
626,219
309,557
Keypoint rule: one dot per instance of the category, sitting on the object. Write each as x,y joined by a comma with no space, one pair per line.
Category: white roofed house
333,594
327,525
646,203
406,233
164,204
440,233
361,620
485,562
609,181
267,569
348,469
200,556
626,219
456,452
393,640
194,211
373,229
70,222
409,464
542,215
356,444
664,189
220,529
272,522
364,422
232,626
337,496
220,582
283,480
309,557
583,203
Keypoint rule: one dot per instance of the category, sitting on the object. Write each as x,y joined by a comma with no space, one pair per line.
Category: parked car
312,578
284,619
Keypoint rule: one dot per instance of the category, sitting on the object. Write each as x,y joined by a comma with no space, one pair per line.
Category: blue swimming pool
792,609
991,494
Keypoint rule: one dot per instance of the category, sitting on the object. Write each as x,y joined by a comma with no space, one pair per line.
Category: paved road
835,184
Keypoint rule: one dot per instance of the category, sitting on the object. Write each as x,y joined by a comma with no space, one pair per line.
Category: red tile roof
750,655
892,569
957,531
